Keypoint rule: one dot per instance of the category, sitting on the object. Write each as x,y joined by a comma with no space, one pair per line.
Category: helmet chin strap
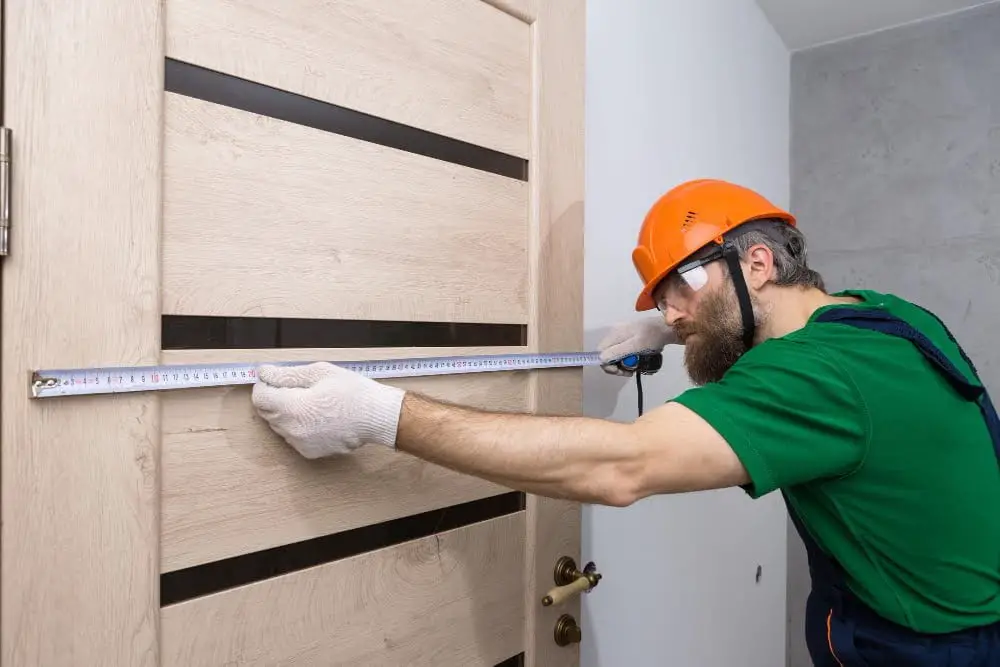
732,258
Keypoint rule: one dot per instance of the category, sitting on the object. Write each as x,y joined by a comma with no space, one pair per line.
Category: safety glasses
688,277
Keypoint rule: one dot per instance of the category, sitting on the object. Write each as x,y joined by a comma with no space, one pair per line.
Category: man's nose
672,315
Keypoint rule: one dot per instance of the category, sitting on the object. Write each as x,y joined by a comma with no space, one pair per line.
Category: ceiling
805,23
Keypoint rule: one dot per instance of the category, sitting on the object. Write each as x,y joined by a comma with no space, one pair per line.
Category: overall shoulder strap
884,322
826,572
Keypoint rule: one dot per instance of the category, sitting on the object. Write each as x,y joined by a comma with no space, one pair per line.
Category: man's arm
669,449
323,410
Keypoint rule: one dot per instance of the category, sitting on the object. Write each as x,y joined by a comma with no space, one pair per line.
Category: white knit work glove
645,335
322,409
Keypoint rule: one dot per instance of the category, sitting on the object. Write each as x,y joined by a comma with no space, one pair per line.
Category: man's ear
760,266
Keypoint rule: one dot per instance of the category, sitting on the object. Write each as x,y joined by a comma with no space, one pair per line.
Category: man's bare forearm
579,458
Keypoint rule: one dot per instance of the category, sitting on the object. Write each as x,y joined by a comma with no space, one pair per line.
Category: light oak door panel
458,68
450,599
230,486
178,173
273,219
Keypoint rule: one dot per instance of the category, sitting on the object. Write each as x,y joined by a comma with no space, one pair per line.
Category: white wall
677,90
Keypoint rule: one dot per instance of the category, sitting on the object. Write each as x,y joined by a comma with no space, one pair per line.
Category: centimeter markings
125,379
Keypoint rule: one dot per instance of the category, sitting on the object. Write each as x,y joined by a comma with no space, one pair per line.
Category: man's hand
649,334
322,409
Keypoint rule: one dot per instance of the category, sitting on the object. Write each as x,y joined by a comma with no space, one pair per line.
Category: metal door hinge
5,157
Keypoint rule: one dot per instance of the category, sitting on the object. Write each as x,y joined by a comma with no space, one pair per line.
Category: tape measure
127,379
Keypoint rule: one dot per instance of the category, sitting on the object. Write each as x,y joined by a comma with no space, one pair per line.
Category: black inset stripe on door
179,332
231,91
213,577
516,661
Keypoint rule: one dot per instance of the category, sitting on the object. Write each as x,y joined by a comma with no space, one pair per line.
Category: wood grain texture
526,10
448,600
455,67
231,486
80,563
268,218
556,309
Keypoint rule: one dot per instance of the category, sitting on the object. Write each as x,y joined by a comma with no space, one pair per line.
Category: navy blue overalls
841,631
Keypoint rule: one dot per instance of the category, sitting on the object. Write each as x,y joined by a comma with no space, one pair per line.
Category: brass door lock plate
567,631
570,581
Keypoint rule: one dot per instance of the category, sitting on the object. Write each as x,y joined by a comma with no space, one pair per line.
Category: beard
715,342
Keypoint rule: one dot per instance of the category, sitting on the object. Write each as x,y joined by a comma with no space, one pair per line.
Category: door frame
556,314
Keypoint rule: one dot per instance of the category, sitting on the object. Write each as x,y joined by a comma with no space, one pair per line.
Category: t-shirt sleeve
790,412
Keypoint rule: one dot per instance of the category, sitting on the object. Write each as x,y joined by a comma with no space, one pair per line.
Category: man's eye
695,278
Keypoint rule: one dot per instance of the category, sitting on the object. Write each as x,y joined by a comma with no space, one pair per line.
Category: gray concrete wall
895,159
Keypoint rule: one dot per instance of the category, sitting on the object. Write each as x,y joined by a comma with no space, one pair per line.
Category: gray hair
788,246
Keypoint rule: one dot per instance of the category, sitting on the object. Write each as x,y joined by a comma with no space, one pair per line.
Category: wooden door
258,180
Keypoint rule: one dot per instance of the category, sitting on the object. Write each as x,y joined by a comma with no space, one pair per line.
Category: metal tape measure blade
125,379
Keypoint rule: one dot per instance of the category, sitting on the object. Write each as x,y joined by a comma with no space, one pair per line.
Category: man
858,406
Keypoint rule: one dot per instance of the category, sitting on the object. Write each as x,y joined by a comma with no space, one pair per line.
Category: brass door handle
570,581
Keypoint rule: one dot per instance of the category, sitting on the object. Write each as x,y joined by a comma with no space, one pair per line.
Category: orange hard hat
686,219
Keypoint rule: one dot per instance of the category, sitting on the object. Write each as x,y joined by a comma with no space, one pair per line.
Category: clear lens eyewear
696,277
687,278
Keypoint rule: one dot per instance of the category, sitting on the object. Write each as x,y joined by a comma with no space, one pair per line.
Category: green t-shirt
891,471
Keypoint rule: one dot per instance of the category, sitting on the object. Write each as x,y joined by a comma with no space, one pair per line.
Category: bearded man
859,407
